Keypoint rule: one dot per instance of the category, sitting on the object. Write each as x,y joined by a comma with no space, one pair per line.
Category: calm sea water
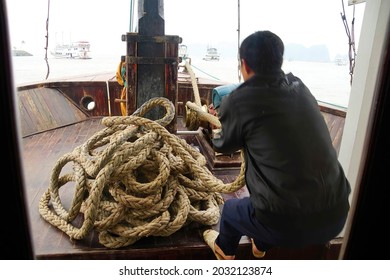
328,82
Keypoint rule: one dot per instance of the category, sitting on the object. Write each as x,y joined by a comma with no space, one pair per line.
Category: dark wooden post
151,77
151,61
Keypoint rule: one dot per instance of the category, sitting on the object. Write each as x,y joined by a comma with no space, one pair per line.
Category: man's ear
247,71
246,66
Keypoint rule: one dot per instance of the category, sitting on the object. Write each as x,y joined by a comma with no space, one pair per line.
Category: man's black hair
263,52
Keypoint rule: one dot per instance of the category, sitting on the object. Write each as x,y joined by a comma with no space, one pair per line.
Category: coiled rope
134,179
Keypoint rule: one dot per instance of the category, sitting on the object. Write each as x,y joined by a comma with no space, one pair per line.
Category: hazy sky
307,22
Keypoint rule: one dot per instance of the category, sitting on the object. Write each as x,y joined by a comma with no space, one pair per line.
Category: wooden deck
41,151
54,123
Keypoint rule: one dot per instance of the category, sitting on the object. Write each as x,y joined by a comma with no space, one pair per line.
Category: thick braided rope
201,115
134,179
194,83
194,110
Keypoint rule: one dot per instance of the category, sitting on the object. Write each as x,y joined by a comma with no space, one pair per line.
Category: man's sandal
209,237
256,252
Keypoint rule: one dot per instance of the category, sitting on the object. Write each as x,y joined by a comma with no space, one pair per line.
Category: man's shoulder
291,78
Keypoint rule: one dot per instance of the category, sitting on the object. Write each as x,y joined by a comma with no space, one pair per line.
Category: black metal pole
150,77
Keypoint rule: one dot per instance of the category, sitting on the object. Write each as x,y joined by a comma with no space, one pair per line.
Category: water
29,69
328,82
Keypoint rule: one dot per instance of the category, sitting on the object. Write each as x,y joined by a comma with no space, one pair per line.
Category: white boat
341,60
79,49
212,54
183,52
17,52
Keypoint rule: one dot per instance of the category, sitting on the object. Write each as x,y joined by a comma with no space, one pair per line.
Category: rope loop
133,179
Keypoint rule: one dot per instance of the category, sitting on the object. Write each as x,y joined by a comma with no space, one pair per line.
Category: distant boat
21,50
79,49
183,52
212,54
16,52
184,58
341,61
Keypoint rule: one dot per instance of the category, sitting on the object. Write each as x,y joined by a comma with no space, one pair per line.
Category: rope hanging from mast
238,42
351,39
47,39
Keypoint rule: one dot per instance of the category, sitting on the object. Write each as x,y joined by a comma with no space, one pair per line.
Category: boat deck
42,150
54,123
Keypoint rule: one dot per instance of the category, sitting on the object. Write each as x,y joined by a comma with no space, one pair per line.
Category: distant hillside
318,53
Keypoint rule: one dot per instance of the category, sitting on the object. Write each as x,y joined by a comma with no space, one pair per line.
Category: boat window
88,103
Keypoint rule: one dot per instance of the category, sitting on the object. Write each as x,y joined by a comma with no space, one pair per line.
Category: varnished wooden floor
41,151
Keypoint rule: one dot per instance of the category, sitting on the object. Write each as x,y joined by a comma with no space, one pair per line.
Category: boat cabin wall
45,106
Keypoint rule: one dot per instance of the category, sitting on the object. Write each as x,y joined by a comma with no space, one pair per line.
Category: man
298,189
